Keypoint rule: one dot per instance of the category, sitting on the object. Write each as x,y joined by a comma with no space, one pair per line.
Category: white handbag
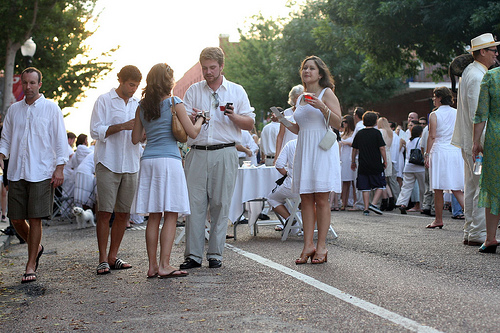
329,138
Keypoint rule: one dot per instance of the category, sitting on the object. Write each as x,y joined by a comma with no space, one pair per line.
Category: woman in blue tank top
161,189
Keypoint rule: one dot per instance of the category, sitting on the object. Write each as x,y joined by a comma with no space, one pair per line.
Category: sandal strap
102,266
119,263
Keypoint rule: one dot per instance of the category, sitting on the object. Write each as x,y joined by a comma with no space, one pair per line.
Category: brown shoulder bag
177,130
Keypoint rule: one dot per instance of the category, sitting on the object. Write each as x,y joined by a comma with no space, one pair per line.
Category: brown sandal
304,257
320,260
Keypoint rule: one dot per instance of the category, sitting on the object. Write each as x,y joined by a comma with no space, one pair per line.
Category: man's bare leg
117,232
102,230
32,233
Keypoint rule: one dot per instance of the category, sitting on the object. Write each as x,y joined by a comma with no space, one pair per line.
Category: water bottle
478,164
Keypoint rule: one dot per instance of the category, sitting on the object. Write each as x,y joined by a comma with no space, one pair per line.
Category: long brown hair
349,126
326,77
159,83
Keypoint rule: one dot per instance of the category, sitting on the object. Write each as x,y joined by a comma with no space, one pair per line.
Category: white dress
446,170
347,174
85,185
388,154
314,169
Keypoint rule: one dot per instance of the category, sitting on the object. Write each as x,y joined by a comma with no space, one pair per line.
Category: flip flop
38,257
103,266
26,275
173,275
119,264
152,276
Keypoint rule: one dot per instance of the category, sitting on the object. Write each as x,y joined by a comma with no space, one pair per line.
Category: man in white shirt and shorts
35,141
116,164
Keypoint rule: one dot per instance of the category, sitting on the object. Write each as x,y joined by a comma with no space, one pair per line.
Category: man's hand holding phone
228,108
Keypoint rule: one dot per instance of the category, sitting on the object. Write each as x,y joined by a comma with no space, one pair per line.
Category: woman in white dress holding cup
316,171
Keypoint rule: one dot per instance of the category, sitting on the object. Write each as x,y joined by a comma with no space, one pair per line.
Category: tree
251,63
267,60
396,36
59,28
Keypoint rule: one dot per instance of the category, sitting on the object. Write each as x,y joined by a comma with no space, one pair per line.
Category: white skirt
161,187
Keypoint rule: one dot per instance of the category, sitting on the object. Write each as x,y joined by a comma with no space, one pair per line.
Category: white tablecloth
252,183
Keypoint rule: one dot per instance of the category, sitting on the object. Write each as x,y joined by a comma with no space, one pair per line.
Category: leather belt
269,156
214,147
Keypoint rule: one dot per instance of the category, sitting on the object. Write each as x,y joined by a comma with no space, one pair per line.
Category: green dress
488,109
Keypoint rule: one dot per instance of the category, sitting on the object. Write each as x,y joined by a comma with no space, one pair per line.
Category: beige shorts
115,191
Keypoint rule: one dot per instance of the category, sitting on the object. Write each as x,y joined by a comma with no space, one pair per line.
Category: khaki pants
211,177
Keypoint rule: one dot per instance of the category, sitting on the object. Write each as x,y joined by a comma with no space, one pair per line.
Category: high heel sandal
488,249
320,260
304,257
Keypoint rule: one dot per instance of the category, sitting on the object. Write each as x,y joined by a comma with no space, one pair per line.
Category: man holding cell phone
212,163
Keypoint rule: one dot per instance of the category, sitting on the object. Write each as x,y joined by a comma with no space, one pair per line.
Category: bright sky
152,31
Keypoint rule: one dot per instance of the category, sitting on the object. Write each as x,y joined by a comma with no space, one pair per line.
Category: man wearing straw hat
484,50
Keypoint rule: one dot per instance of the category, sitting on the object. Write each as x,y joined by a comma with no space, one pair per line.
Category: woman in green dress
488,110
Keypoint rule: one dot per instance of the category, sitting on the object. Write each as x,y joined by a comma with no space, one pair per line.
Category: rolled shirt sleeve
98,128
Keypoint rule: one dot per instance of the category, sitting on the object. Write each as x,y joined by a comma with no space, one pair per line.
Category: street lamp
28,51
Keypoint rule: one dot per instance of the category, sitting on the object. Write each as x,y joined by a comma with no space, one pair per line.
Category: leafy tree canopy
59,29
395,36
267,60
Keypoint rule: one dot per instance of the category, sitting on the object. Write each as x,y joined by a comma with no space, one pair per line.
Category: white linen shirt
285,160
268,138
359,126
34,139
116,152
468,95
220,128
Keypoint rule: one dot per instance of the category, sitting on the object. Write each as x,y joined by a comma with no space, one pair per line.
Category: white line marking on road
365,305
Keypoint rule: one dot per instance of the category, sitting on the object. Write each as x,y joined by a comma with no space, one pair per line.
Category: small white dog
84,218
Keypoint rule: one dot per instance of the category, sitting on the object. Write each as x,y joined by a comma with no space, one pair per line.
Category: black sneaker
189,263
214,263
375,209
366,212
264,217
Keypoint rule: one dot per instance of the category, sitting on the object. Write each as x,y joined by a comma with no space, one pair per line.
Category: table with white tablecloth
253,183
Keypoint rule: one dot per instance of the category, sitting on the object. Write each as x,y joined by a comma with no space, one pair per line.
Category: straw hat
482,42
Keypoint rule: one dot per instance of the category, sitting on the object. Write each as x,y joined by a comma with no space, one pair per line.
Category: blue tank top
160,140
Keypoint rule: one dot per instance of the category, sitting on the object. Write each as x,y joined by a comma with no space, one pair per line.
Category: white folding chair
63,204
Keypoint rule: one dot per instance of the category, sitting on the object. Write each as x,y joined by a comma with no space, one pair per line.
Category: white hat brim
483,46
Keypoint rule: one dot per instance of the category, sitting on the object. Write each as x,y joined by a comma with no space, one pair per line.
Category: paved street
384,274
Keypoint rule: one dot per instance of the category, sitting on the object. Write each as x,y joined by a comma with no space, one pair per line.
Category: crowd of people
359,161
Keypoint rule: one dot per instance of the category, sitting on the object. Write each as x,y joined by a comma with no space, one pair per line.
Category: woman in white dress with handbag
445,162
316,171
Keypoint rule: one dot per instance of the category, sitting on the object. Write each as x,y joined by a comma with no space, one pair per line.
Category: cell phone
227,105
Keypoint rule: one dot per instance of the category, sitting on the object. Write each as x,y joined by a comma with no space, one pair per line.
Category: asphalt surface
384,274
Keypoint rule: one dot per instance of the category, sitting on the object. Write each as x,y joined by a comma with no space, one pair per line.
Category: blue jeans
456,209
